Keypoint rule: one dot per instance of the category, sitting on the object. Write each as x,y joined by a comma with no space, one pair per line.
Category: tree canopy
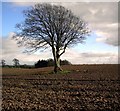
16,62
52,26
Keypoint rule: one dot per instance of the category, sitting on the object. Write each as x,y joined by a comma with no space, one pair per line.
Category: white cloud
91,57
102,19
108,38
9,45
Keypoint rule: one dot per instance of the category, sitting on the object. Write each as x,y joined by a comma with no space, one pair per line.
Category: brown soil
84,88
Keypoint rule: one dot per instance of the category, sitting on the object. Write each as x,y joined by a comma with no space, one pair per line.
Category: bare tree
52,26
16,62
3,63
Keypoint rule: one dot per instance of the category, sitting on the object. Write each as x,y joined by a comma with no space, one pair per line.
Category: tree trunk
57,65
56,60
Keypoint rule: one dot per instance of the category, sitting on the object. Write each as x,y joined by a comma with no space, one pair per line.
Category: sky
101,47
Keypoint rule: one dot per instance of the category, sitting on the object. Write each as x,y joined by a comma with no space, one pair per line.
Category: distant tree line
49,62
15,63
38,64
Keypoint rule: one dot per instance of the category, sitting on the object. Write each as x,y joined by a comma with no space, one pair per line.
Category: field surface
78,88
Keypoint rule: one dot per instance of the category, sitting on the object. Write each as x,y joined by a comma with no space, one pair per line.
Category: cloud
107,38
8,45
102,18
91,57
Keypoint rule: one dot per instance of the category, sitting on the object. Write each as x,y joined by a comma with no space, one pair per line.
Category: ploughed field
79,88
